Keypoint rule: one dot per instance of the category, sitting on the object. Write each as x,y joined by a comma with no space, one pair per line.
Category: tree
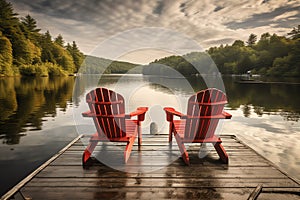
265,36
59,40
77,56
63,58
238,43
252,39
47,47
264,42
8,18
295,33
279,46
21,49
30,27
6,57
47,37
35,53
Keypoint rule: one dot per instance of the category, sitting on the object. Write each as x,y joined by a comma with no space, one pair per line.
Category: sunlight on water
271,135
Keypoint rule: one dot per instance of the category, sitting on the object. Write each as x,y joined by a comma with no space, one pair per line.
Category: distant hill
96,65
186,65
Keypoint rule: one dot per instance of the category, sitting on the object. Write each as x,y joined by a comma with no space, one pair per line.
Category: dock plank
156,171
137,193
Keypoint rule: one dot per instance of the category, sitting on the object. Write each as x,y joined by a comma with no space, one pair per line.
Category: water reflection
260,114
278,99
24,102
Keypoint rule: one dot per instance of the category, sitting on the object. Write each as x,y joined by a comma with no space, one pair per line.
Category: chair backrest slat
209,102
106,103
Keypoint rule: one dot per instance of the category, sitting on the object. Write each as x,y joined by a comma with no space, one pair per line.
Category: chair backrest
200,123
109,110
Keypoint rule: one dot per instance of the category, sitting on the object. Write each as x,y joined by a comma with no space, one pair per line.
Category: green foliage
252,39
42,69
295,33
26,51
77,56
8,19
238,43
272,55
5,56
29,28
34,70
59,40
55,70
176,65
63,58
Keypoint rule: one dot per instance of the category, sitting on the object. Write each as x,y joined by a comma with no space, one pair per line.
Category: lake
39,116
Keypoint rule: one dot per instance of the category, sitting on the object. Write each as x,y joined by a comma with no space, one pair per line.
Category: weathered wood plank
136,193
278,196
161,157
145,180
191,171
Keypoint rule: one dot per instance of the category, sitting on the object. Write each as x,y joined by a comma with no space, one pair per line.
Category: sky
94,24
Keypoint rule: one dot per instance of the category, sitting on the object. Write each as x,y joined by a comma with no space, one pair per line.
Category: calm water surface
40,116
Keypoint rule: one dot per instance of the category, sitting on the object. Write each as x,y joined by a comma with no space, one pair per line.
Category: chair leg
128,149
88,152
170,132
221,152
139,135
183,151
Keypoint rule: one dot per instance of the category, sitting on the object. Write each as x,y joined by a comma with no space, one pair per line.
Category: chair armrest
171,112
223,115
226,115
87,114
140,113
91,114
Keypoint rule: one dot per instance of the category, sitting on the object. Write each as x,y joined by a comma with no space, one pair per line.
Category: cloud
278,16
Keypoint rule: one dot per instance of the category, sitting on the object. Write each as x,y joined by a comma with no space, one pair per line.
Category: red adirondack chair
108,112
204,111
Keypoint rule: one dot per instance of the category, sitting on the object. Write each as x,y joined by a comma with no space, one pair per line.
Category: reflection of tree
86,81
265,98
258,110
290,116
246,110
185,86
26,101
7,98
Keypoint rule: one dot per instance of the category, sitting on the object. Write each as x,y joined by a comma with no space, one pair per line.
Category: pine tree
59,40
29,26
8,19
77,56
295,33
252,39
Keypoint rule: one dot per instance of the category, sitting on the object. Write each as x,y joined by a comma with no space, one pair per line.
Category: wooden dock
158,174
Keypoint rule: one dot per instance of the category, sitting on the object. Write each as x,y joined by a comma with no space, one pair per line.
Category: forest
24,50
271,55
